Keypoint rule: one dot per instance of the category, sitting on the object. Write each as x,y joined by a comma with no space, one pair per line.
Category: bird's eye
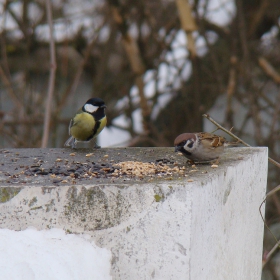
190,143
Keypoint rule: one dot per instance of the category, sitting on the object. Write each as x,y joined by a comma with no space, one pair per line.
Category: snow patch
51,254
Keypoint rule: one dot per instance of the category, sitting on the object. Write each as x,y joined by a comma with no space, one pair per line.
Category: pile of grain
140,169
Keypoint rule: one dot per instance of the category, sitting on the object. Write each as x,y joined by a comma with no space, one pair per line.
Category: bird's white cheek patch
193,147
90,108
187,148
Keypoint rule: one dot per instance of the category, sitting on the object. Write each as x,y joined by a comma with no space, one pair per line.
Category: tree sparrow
201,146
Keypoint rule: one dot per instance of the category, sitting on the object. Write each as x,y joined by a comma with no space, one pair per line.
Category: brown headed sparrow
201,146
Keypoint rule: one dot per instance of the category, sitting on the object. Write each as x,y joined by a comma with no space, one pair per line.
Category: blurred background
159,65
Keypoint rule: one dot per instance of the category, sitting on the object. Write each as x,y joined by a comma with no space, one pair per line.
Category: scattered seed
190,180
72,154
214,165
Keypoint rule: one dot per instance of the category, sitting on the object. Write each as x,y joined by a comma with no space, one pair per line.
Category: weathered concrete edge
44,199
145,211
237,212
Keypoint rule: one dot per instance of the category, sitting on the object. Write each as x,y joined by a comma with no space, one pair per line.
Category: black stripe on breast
99,114
94,131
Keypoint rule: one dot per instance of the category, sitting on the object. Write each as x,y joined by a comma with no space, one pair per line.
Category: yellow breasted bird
87,123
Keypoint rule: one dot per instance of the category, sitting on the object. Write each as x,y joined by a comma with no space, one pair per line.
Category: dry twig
277,245
269,70
236,138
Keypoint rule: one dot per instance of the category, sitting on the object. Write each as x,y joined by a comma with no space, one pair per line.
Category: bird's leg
216,161
96,146
74,143
190,161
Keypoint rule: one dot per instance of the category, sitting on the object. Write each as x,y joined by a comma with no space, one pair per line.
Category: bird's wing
72,121
70,125
212,140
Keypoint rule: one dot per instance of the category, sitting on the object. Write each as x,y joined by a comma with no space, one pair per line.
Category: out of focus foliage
159,65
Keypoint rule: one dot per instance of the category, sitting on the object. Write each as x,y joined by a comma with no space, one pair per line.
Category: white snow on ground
113,137
51,254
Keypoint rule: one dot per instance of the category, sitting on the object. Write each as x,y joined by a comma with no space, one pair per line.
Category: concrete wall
204,226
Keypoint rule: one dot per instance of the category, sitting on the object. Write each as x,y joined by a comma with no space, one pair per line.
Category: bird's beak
103,106
176,149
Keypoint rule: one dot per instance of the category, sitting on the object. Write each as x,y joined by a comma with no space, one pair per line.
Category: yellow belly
84,125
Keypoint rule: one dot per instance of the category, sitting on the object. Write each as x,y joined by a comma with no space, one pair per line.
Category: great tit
87,123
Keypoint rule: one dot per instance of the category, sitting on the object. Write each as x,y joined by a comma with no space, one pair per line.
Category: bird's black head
96,107
97,102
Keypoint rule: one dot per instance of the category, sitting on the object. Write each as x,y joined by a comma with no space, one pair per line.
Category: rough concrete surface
199,223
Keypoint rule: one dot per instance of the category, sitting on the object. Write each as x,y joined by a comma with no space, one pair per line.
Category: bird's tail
234,144
71,142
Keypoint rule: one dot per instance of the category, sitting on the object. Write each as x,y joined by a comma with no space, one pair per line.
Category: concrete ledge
200,224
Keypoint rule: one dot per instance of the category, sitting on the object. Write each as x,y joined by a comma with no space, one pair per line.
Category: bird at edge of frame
201,147
87,123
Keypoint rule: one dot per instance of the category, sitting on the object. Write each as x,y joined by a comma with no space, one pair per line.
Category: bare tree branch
230,91
257,17
269,70
188,24
47,118
6,81
135,59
